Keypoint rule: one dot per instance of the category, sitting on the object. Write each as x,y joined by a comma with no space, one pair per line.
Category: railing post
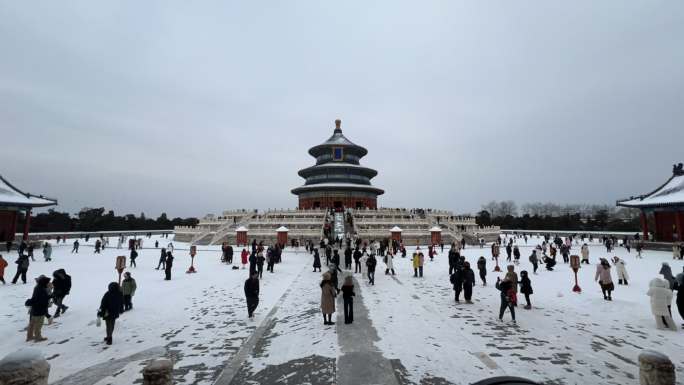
655,369
24,367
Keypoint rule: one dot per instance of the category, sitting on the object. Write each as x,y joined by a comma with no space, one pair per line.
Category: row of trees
96,219
552,216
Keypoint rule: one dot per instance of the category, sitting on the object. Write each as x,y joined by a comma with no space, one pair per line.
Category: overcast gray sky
194,107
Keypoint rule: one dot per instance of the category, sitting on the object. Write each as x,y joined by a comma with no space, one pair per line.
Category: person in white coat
621,270
675,251
661,301
364,268
585,253
389,261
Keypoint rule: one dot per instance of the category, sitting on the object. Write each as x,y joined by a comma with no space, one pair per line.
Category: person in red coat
3,265
244,257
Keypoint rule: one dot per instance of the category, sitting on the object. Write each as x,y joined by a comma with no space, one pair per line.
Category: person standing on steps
328,294
505,289
482,268
348,298
604,279
468,282
252,294
168,265
128,287
526,288
111,306
162,259
61,282
371,263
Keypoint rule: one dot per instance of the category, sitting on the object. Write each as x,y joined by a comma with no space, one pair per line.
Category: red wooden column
644,225
27,225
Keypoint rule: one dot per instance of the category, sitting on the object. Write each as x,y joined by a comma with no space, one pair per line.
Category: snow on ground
200,321
200,318
566,338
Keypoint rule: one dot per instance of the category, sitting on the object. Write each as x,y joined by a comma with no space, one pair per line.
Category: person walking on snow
111,306
357,260
252,294
22,268
348,298
661,301
680,294
128,287
482,268
61,282
75,249
168,265
389,262
134,255
468,282
47,251
328,294
621,270
666,272
39,303
456,280
316,261
526,288
506,295
418,262
516,255
244,256
604,279
585,253
3,265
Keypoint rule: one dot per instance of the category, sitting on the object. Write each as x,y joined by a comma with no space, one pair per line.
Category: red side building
337,179
662,210
13,200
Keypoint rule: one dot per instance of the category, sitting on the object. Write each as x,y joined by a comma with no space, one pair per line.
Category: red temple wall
329,202
8,225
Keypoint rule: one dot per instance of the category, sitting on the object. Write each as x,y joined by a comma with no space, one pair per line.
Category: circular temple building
337,179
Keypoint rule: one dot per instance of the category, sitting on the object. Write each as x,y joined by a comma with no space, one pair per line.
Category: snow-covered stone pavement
410,325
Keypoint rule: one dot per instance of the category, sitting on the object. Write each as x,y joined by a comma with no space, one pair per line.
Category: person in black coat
526,287
260,264
482,268
39,303
505,287
252,264
453,258
134,255
371,263
162,259
456,280
168,264
348,297
468,282
22,267
357,260
252,294
61,282
111,306
317,261
229,254
347,258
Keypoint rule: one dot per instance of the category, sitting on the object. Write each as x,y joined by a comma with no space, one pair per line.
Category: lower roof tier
326,187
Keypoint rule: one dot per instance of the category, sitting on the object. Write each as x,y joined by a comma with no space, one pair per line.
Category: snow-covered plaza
406,331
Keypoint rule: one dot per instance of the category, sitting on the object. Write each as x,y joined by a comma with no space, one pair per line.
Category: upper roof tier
670,194
338,140
13,197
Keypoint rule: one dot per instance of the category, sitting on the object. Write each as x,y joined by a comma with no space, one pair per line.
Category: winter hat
326,276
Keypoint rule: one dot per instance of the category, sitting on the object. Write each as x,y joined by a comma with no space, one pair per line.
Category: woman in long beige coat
328,294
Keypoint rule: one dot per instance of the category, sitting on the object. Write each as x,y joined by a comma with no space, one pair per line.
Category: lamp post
575,264
193,252
120,265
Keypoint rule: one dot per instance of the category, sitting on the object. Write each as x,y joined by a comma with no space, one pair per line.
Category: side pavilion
663,207
13,200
